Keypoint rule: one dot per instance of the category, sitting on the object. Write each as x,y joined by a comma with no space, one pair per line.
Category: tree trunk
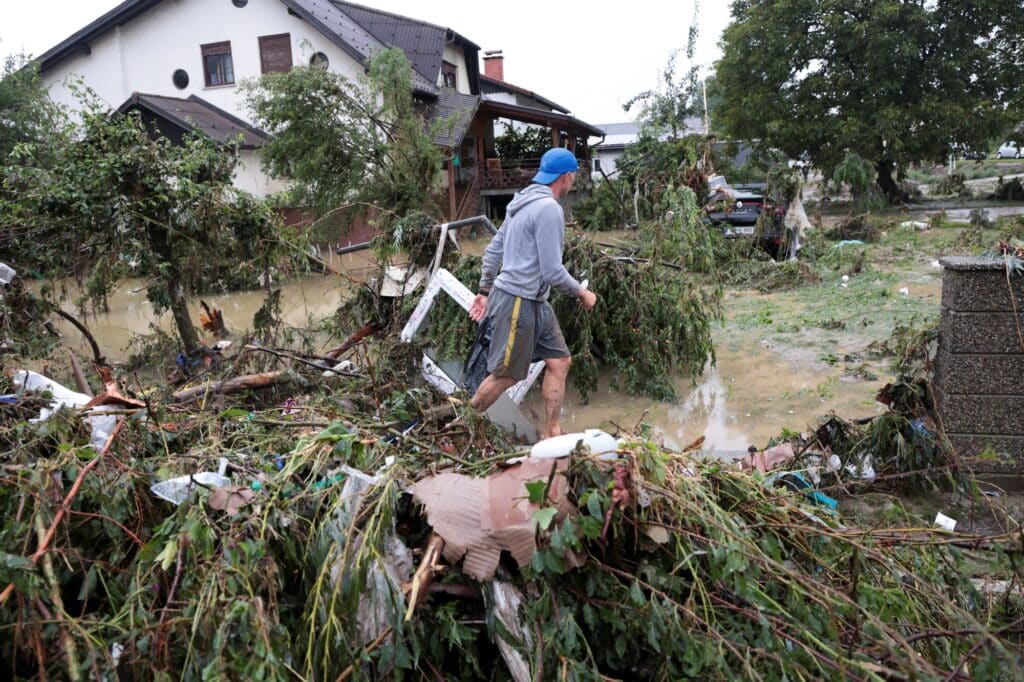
886,182
171,276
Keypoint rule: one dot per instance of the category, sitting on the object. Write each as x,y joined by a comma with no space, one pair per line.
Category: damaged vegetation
302,504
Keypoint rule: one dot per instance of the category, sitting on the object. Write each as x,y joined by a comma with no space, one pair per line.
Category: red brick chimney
494,65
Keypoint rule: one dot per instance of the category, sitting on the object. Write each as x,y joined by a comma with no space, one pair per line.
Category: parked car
1008,150
735,211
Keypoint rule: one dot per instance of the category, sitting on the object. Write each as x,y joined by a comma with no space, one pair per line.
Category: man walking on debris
520,266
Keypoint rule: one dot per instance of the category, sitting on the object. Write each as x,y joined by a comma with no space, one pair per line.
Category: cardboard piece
481,517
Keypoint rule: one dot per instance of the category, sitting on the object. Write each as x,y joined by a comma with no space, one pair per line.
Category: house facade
181,62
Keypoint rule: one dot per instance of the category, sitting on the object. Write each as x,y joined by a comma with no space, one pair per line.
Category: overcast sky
586,56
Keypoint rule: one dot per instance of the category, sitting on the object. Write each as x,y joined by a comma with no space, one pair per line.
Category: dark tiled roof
352,36
422,43
196,113
454,112
488,84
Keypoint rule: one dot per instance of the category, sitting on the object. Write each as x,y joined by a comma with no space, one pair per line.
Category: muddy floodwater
748,397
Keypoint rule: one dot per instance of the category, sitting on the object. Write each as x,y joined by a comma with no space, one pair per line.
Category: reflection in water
748,398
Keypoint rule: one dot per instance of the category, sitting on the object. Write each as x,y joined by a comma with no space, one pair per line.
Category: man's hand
479,308
588,298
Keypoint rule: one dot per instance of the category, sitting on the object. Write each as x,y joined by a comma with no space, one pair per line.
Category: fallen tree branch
46,539
424,574
289,356
96,354
226,386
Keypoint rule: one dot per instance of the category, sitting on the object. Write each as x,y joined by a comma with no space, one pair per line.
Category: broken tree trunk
242,383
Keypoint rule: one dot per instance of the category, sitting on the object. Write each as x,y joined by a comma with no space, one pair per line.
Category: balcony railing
498,173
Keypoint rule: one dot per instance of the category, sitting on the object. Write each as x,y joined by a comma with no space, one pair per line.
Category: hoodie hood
527,196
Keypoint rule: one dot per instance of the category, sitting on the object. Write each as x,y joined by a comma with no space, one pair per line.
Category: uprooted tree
895,82
103,200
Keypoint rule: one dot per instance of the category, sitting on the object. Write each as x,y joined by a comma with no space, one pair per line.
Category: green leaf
233,413
544,517
535,491
168,555
594,506
636,594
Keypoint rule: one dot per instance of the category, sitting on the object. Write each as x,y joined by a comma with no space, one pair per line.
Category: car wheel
999,155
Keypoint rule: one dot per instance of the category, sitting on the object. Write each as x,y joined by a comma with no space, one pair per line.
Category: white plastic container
598,441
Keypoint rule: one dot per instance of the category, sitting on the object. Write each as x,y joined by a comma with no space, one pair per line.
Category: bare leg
489,391
555,372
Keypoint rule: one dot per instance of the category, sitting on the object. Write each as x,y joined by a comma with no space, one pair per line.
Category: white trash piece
101,427
944,522
7,273
904,291
176,490
598,441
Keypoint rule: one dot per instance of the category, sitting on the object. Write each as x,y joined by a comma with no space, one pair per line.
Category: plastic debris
7,273
100,426
944,522
599,442
176,490
914,224
847,242
904,291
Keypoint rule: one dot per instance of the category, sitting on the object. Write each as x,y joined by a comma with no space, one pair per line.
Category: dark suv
735,210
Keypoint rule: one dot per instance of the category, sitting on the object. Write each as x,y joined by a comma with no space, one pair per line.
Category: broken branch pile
293,562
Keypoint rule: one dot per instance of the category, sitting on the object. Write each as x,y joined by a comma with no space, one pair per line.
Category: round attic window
239,3
180,79
319,59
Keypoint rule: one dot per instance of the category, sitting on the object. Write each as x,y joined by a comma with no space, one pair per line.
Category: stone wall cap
972,263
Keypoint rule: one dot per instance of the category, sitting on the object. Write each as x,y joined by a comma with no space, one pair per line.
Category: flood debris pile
348,532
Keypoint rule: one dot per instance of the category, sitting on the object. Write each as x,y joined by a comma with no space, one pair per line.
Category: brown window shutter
276,53
217,48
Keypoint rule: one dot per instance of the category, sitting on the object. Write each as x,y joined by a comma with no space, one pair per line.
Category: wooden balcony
514,174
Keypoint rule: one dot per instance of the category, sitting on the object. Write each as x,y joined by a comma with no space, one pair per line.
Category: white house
180,61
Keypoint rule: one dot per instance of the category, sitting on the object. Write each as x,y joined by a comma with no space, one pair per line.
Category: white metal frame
447,282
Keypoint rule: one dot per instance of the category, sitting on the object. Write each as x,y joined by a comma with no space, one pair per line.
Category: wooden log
242,383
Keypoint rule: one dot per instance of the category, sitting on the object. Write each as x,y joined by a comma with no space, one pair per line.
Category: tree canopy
26,112
351,147
896,82
102,199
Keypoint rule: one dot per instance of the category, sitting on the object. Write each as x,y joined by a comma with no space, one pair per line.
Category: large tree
896,82
101,199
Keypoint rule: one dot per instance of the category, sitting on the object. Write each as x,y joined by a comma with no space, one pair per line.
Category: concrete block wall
979,371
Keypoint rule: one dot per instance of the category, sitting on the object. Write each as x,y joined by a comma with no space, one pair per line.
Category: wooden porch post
555,136
451,190
572,141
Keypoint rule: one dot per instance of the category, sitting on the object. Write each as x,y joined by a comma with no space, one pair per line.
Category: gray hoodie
527,251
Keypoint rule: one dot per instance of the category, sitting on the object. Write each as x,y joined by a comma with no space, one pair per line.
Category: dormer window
449,75
217,64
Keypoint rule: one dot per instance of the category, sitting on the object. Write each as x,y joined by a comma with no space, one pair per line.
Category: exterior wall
979,371
250,176
141,56
453,54
607,157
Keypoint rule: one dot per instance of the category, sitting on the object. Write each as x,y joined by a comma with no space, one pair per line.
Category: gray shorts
523,331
